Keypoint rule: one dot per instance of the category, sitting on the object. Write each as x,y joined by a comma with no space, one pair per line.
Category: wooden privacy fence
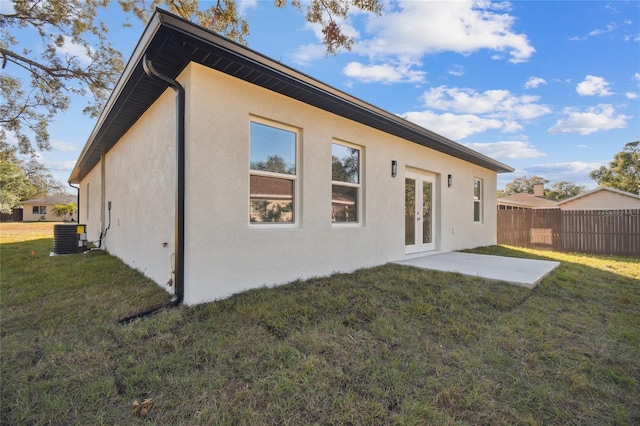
14,216
587,231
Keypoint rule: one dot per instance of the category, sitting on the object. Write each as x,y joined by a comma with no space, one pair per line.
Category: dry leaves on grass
141,409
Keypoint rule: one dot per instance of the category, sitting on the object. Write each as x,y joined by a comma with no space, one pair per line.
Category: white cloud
534,82
69,48
469,112
416,28
610,27
457,70
594,119
573,171
507,149
244,5
454,126
62,146
636,76
306,54
495,103
65,166
593,86
384,73
631,95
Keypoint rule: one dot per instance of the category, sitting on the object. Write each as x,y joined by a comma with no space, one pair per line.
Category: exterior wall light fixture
394,168
449,181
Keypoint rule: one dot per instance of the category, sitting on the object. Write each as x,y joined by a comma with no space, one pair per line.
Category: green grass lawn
385,345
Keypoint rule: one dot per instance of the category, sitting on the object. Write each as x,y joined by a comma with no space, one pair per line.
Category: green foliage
65,211
623,172
384,345
346,169
269,211
14,185
274,164
522,185
21,180
558,191
562,190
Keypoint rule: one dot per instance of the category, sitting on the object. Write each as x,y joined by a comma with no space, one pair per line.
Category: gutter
180,174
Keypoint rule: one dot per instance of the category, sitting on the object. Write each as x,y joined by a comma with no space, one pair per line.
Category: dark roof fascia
98,143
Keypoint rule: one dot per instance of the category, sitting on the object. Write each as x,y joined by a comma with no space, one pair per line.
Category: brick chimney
538,190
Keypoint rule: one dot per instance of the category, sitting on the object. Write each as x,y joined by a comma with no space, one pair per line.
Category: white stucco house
602,198
214,169
42,209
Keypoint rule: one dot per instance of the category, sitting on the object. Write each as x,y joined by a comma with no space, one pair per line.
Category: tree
54,73
223,17
20,180
346,169
65,26
623,172
557,191
14,185
65,211
42,182
562,190
274,164
522,185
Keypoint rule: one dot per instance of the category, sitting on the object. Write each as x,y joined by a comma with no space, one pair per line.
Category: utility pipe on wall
180,173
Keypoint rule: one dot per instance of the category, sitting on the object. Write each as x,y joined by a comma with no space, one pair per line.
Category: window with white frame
477,200
345,183
273,173
39,210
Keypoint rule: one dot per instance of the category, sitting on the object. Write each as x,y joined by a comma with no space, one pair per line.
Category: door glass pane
426,212
410,212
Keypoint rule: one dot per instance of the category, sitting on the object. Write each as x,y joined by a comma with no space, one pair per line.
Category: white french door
420,211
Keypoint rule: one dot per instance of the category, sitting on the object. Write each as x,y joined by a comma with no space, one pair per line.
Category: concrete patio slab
523,272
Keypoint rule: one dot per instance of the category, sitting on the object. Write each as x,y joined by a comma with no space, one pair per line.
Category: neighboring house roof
527,201
598,189
172,43
54,199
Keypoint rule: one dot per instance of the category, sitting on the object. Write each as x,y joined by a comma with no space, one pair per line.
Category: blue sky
549,88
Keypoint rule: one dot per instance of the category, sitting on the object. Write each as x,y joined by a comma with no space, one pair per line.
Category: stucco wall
90,203
225,254
139,183
602,200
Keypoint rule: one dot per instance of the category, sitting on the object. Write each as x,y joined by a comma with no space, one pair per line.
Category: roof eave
136,58
98,142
